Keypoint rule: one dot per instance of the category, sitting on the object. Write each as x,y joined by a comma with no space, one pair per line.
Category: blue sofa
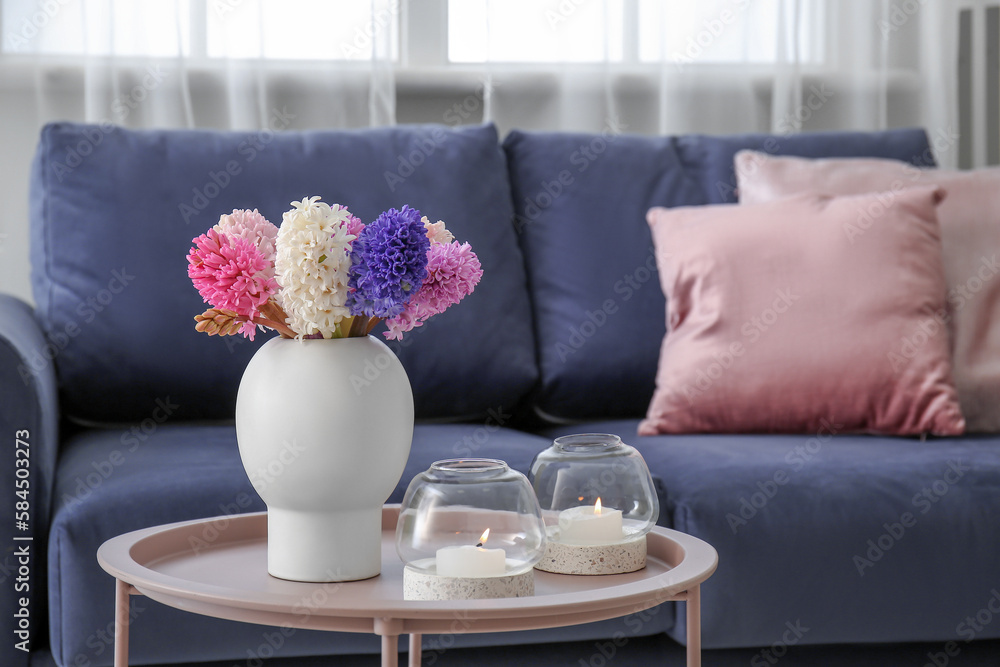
127,411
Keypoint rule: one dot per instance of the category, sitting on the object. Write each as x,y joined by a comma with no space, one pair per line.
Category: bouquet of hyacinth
326,274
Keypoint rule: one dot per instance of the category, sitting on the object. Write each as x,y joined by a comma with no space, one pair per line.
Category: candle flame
483,537
597,506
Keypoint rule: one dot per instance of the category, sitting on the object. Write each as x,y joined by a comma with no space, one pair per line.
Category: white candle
471,561
590,525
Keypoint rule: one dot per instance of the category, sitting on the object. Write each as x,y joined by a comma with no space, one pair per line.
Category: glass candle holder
598,502
469,529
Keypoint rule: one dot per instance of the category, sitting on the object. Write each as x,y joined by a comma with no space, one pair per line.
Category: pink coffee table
228,579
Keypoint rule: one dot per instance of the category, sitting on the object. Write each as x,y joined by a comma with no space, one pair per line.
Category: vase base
317,580
324,547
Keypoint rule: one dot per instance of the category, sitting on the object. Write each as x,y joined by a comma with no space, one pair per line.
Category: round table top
218,567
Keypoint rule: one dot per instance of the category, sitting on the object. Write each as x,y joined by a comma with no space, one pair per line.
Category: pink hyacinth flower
231,274
453,271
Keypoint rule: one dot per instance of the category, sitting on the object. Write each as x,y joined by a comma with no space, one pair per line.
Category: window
581,31
67,27
475,31
274,29
719,31
534,31
300,29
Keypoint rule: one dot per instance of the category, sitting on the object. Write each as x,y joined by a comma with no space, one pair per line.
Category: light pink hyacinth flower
250,226
353,224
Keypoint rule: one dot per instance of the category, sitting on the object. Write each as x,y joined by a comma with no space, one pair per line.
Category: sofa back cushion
114,211
581,201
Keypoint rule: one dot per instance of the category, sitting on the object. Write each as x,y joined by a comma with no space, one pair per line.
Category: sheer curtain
225,64
206,63
637,66
723,66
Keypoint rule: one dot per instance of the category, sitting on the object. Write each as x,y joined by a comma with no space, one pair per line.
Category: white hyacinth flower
312,266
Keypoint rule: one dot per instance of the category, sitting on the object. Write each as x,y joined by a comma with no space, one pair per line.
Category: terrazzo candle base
617,558
421,585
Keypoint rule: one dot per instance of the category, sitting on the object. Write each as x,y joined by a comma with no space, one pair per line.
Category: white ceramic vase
324,430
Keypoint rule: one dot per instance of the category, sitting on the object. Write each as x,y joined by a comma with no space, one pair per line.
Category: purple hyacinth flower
389,264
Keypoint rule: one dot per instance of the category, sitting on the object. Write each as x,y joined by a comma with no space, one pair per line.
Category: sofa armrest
29,422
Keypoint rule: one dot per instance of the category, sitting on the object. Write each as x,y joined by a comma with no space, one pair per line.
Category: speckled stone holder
420,585
626,556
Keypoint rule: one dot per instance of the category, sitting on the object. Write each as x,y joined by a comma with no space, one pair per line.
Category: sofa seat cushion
110,482
858,538
111,227
581,201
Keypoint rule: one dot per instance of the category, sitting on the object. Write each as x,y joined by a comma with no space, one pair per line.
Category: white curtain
638,66
222,64
206,63
727,66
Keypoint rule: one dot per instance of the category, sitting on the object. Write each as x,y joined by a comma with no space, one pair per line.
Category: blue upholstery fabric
29,412
581,203
114,212
862,538
709,159
591,268
111,482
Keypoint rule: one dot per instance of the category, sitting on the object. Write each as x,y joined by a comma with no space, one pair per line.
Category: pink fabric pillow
970,240
779,322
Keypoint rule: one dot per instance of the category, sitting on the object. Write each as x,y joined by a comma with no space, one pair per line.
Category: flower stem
283,329
358,326
339,331
372,323
274,317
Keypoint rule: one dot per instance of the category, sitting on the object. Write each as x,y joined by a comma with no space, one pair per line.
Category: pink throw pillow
778,321
970,241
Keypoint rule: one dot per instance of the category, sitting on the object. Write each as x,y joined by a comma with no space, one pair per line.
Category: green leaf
322,258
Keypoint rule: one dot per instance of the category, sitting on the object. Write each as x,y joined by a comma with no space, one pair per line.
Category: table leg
389,629
390,650
694,627
416,649
121,622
